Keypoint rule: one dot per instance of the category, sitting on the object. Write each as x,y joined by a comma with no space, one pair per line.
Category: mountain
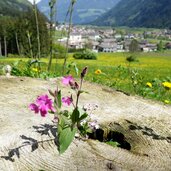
13,7
85,11
138,13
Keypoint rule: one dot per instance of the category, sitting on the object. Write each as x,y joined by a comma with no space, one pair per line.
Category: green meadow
116,72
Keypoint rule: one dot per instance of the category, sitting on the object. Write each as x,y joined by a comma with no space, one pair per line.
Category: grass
120,74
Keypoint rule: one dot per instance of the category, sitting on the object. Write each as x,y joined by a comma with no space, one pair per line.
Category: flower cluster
98,71
42,105
167,85
67,101
35,70
148,84
68,122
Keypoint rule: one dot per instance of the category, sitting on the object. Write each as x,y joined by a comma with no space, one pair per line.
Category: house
120,47
109,40
148,47
111,47
129,36
106,47
95,45
75,37
118,36
168,45
76,41
93,36
76,45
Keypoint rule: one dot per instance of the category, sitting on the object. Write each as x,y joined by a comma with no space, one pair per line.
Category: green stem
68,36
78,93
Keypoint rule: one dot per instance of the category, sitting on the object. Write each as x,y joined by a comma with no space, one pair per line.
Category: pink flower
45,102
67,101
43,105
94,125
74,85
67,79
34,107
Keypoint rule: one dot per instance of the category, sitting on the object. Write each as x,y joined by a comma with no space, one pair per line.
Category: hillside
138,13
13,7
85,10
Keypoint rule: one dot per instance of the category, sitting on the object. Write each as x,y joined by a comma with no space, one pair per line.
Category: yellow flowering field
146,76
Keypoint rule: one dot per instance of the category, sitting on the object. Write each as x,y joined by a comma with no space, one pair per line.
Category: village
110,40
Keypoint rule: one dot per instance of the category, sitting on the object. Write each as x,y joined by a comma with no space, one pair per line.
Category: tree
70,12
58,51
28,31
0,47
6,35
37,28
23,34
89,45
160,46
134,46
52,5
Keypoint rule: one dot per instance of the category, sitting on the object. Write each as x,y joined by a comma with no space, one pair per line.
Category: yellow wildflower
167,85
149,84
98,71
35,70
166,101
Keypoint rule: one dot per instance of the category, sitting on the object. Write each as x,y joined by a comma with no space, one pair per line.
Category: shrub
59,51
15,56
85,55
72,50
131,59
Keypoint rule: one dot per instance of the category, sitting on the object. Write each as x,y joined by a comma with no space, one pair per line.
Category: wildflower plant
69,122
166,85
98,71
148,84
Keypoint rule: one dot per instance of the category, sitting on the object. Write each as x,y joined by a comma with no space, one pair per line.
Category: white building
75,38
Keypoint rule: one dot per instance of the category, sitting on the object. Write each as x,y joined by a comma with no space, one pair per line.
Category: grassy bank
118,73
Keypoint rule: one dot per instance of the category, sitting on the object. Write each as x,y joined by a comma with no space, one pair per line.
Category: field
90,12
113,70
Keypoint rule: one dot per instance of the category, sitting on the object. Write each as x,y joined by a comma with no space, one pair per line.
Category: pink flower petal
67,79
66,101
42,99
34,108
43,110
43,105
53,109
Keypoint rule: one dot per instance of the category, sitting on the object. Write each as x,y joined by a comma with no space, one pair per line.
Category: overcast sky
32,1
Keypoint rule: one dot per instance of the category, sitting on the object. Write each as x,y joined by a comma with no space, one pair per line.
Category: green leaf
113,143
59,99
83,116
82,91
75,116
68,72
15,64
76,69
66,137
65,113
61,121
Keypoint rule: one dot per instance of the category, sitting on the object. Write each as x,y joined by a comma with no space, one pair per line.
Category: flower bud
76,85
84,72
71,83
51,93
